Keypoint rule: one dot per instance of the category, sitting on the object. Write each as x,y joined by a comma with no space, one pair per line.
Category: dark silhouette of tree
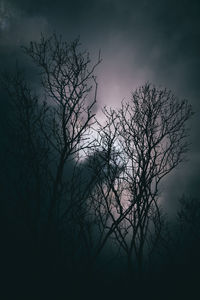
75,209
66,78
28,151
53,129
143,141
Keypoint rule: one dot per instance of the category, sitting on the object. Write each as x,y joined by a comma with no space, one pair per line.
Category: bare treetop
67,78
152,129
142,141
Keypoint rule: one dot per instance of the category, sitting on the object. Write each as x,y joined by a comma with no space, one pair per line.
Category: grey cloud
17,27
154,40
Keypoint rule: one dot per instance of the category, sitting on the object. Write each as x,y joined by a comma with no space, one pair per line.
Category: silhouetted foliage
80,193
142,142
49,130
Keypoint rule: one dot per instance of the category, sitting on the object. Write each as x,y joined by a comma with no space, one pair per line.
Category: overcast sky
152,40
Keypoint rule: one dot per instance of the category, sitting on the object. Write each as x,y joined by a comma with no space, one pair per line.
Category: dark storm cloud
156,41
159,38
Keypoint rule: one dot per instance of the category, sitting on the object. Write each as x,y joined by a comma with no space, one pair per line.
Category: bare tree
28,151
148,133
67,81
117,203
58,117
